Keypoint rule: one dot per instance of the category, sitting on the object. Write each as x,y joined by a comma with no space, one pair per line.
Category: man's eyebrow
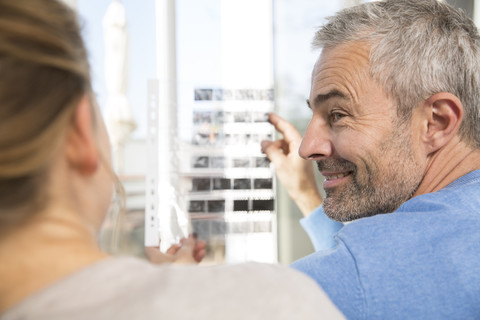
321,98
330,95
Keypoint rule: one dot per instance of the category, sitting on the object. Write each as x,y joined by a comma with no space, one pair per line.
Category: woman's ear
81,148
444,114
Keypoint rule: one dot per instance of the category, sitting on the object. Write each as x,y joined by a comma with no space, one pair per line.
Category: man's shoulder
462,195
429,247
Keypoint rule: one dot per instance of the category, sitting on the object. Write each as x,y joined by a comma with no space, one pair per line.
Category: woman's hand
189,250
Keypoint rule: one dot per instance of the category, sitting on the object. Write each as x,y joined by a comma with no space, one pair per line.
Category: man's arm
297,176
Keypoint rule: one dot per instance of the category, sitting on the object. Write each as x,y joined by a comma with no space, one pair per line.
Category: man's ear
444,114
81,148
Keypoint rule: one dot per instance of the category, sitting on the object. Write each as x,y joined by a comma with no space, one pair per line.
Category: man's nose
316,143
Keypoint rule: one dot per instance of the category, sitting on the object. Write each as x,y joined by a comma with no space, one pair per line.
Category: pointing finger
290,133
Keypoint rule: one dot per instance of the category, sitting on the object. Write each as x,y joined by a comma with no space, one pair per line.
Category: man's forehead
339,71
355,53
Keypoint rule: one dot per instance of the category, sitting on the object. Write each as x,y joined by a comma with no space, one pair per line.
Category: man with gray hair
395,132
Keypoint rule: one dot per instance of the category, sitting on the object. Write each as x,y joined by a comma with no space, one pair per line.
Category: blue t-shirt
420,262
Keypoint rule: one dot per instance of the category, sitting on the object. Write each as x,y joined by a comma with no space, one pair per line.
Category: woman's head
44,73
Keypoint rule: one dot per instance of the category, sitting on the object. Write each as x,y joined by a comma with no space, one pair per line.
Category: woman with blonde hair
56,186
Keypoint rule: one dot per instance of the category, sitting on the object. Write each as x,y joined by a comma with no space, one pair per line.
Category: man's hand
295,173
189,250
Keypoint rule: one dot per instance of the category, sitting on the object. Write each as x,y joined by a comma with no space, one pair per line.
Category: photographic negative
220,94
217,94
219,117
258,138
240,117
200,162
241,163
262,205
216,206
262,162
219,139
203,94
260,117
240,205
201,184
200,138
217,162
262,184
196,206
242,184
221,184
202,117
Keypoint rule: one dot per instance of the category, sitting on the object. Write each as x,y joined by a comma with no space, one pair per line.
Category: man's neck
40,253
447,165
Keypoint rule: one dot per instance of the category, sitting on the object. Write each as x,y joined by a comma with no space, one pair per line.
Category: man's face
367,157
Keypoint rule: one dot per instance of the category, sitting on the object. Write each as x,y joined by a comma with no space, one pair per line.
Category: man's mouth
330,176
336,172
333,176
335,179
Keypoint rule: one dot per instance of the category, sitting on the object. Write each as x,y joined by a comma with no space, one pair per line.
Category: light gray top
130,288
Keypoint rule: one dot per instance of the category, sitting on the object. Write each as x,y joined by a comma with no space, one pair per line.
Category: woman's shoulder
125,288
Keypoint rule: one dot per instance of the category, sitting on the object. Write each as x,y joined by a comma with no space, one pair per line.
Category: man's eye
335,116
